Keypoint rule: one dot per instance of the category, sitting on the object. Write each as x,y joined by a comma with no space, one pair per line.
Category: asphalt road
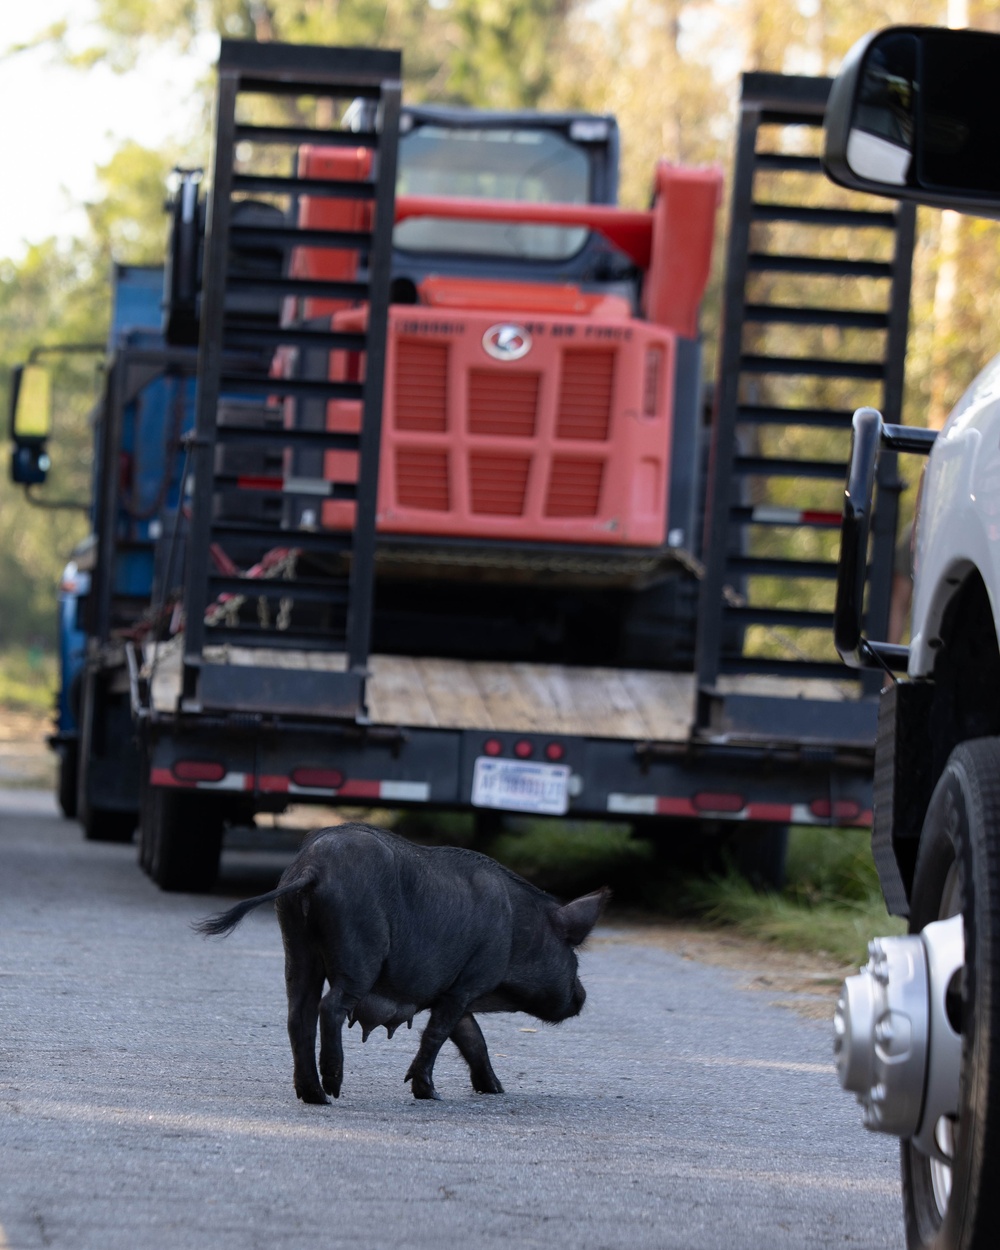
146,1098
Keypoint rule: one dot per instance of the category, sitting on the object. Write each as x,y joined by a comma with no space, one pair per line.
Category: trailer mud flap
294,692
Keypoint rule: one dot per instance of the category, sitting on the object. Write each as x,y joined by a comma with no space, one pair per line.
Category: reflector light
842,809
198,770
492,746
523,749
248,481
318,778
706,801
554,751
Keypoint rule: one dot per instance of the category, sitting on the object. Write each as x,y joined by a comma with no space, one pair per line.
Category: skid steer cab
917,1033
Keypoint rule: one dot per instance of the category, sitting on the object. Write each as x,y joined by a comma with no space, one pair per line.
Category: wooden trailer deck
634,704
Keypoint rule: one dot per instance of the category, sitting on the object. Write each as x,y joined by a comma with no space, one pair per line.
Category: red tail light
842,809
706,801
318,778
198,770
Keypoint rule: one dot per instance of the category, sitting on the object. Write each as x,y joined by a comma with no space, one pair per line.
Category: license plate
520,786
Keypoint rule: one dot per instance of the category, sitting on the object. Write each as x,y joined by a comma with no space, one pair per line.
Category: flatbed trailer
544,739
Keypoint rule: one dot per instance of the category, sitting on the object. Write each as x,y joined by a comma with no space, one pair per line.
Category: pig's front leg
468,1037
445,1016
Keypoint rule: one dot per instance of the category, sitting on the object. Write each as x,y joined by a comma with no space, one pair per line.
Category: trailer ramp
260,572
815,320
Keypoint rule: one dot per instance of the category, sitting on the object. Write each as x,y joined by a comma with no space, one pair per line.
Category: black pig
396,928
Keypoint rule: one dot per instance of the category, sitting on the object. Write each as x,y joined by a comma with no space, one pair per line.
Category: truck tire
957,1207
100,822
183,839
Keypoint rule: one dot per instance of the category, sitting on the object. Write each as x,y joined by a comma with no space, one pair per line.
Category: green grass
838,927
831,903
28,679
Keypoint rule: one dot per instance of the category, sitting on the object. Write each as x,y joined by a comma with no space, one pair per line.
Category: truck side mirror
30,424
912,114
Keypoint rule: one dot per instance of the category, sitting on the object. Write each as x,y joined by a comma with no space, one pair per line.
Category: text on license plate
520,786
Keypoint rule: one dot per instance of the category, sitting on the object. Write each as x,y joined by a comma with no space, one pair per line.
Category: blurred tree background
668,69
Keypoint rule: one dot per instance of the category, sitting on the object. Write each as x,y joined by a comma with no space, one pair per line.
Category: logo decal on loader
507,342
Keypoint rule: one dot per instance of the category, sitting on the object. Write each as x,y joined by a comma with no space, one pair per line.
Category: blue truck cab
140,421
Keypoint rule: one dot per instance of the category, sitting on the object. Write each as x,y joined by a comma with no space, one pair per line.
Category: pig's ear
576,919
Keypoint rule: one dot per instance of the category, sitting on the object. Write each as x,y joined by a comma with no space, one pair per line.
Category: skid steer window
539,166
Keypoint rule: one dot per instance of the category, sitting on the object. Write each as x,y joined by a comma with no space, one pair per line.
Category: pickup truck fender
958,523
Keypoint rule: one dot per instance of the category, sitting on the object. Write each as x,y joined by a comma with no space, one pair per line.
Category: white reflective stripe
307,486
231,781
633,804
778,516
405,791
402,791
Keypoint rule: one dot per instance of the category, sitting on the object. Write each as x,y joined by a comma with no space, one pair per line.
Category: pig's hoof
313,1094
488,1086
424,1089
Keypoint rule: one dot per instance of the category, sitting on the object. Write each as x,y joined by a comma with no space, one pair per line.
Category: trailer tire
958,869
103,824
147,818
67,781
183,839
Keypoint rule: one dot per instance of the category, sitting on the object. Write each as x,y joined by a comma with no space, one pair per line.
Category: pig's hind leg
347,989
304,978
468,1037
332,1014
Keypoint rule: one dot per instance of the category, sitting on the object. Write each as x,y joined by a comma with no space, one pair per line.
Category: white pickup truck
913,114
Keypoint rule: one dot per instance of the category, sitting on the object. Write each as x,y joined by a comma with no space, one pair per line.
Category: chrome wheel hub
894,1044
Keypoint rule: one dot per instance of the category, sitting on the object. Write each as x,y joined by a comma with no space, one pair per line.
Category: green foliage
505,51
127,222
827,865
572,857
58,295
46,299
28,677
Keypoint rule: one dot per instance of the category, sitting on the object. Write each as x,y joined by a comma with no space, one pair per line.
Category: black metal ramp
268,566
815,320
